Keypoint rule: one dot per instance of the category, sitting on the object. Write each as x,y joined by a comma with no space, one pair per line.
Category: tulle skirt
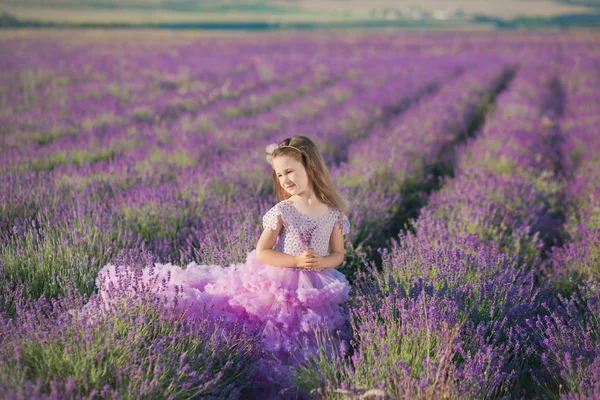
285,305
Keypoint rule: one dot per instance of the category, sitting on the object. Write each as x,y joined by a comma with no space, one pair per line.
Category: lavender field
471,161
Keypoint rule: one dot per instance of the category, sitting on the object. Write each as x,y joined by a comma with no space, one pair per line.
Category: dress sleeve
344,224
270,218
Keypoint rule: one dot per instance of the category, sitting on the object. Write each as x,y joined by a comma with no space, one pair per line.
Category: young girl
289,284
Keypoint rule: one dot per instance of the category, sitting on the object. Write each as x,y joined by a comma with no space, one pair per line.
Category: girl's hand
310,259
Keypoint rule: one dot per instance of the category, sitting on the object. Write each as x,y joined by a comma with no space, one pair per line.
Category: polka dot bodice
301,232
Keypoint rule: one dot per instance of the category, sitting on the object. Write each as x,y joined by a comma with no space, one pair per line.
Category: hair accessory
271,147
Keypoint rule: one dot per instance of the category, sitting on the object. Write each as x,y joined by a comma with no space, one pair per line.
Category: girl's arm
265,252
336,249
336,252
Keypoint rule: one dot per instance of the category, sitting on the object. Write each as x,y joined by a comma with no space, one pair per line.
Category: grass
44,259
141,352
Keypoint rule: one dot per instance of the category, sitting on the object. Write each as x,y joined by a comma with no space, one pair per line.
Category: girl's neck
308,199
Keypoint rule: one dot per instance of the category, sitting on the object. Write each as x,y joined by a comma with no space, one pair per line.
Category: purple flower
306,236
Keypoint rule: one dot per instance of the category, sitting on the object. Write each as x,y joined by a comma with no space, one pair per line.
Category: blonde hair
305,151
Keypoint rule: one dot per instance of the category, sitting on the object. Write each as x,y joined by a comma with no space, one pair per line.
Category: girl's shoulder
282,210
289,214
287,207
271,218
343,222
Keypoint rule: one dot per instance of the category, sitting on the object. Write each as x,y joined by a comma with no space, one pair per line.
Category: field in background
306,11
497,8
471,162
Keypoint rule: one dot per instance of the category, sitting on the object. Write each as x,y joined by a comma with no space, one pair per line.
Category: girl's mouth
289,187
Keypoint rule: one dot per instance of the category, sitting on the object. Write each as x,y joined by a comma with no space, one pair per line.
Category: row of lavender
96,116
166,213
99,351
569,335
398,157
87,228
452,311
47,248
376,201
151,357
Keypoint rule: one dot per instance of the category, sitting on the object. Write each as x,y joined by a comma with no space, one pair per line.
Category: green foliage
85,156
354,261
194,191
163,163
501,165
351,179
49,162
388,344
119,91
102,121
152,221
134,353
112,178
43,259
231,112
311,374
62,80
46,137
143,114
580,263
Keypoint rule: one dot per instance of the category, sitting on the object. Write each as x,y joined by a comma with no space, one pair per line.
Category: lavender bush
484,146
572,269
136,346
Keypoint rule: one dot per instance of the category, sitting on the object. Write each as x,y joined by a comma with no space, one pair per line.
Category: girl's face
292,175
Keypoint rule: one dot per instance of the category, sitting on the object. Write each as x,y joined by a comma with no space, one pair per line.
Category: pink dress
282,302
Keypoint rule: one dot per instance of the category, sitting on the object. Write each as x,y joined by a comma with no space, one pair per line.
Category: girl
289,284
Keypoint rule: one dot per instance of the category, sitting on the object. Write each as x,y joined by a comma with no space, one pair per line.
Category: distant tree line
568,20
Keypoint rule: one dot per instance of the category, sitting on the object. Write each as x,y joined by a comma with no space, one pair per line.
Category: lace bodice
301,232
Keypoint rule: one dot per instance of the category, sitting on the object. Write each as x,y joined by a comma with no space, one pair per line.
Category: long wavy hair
318,174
